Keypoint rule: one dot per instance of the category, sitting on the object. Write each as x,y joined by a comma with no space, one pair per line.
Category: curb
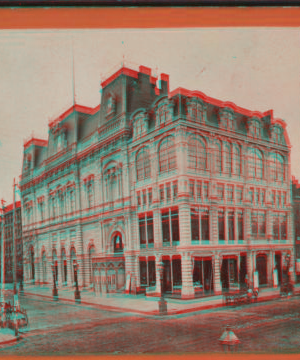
151,313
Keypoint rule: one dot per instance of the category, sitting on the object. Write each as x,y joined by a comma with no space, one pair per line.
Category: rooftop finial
73,75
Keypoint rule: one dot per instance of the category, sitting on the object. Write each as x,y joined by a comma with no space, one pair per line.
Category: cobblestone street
63,328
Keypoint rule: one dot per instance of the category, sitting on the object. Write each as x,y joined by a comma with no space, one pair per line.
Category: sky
255,68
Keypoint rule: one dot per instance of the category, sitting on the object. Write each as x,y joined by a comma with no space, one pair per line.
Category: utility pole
14,240
2,299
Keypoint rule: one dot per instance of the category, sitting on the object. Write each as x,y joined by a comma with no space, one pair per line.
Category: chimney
164,84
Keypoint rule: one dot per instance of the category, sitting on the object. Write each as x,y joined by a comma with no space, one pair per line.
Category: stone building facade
8,235
152,177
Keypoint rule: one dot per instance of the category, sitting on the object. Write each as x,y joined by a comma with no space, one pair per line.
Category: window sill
175,243
205,242
165,244
222,242
195,242
231,242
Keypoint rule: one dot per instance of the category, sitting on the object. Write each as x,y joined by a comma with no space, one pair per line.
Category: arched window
227,159
218,158
236,163
196,154
143,169
118,243
255,164
276,167
72,201
167,155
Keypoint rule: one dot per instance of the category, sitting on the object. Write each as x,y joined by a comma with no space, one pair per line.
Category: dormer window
276,134
227,119
140,125
61,141
164,113
254,128
110,105
195,110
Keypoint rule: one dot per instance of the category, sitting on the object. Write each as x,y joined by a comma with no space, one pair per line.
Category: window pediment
276,134
195,110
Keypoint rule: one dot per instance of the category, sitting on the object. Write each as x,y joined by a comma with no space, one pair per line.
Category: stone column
213,224
157,276
250,267
187,291
226,226
217,281
185,224
157,229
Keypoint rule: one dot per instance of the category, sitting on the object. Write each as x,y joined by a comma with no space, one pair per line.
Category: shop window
200,224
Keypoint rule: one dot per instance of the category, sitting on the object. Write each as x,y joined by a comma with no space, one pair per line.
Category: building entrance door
261,267
167,281
278,267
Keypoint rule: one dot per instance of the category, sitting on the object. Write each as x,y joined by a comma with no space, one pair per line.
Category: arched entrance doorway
261,267
44,267
31,261
64,266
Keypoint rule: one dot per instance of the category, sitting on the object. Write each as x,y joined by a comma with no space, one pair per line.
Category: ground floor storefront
191,274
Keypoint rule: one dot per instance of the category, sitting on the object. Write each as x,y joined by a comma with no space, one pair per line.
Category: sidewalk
140,304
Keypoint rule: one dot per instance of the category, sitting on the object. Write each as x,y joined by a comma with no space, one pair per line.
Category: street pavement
62,328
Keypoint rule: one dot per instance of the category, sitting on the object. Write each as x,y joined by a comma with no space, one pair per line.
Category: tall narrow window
276,167
198,191
144,197
139,198
195,224
218,159
236,160
168,192
205,225
175,225
240,226
175,190
192,190
165,226
143,167
230,194
161,193
90,191
255,164
231,225
146,229
72,201
221,221
150,196
227,155
196,154
167,155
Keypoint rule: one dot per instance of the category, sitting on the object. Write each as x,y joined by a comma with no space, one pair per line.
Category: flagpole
2,298
14,240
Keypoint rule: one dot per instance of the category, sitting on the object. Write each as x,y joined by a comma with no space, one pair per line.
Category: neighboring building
8,239
155,176
296,212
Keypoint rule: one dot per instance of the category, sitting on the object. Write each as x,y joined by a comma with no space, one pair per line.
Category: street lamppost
162,304
54,291
77,292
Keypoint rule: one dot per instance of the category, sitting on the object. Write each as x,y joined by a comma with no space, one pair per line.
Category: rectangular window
205,190
239,191
146,229
165,226
262,197
175,225
254,225
144,197
258,225
150,196
231,225
168,191
220,191
161,193
152,274
221,221
275,227
175,190
230,194
192,189
195,224
256,200
142,230
251,194
283,228
240,226
198,191
143,273
139,198
205,225
150,236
